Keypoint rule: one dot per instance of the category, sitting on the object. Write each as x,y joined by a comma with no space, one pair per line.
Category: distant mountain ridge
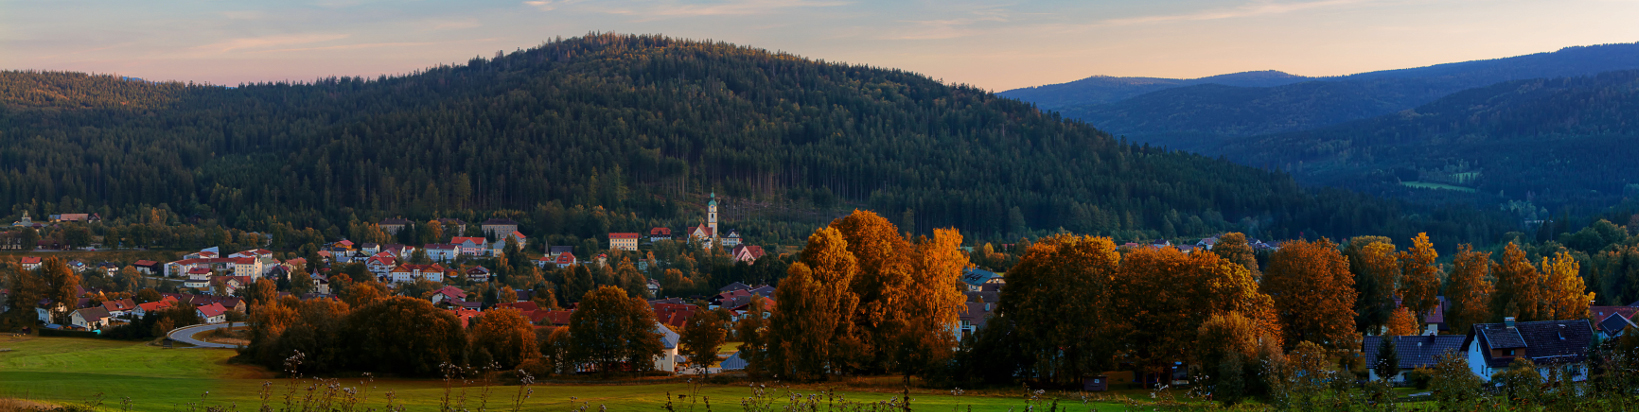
1108,89
1555,141
1193,116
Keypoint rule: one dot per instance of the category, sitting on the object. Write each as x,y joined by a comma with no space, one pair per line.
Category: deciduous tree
504,336
702,335
1564,296
1518,288
1233,247
1376,269
811,334
1420,276
1058,297
609,329
1469,289
1314,293
1403,323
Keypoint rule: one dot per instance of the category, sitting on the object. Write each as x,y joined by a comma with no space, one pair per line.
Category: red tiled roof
212,310
660,231
31,260
464,239
145,263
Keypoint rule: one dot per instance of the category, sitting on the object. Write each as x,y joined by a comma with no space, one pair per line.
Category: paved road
185,335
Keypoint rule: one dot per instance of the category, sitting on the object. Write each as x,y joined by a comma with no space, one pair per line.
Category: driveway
185,335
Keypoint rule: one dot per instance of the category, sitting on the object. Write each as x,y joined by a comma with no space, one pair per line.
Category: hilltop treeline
636,125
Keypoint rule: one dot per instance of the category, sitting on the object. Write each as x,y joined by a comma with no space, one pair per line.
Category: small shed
1097,383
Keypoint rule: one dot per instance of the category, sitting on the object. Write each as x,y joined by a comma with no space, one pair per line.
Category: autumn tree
1564,296
404,335
1376,269
1518,288
62,287
609,328
1469,289
1226,349
1233,247
881,284
810,334
1058,298
702,335
1419,276
362,294
752,331
1161,296
1402,323
1313,292
505,337
27,289
932,304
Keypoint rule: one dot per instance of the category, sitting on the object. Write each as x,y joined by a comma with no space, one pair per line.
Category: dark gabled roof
499,221
976,276
733,287
1545,342
561,249
1413,351
1614,324
395,221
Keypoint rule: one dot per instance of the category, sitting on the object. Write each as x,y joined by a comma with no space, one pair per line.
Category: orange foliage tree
1518,287
1314,294
1469,289
1161,296
1565,296
1058,298
1419,276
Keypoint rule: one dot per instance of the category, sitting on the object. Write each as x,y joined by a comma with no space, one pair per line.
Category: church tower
711,216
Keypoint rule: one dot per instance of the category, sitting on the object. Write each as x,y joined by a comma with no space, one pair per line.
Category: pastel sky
992,44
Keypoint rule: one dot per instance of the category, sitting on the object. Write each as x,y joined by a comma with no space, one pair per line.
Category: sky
994,45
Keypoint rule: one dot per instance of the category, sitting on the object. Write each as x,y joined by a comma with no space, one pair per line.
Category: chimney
1433,329
1508,321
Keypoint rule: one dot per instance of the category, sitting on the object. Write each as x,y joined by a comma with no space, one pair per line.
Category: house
144,308
30,262
471,246
744,253
406,273
1207,243
623,241
26,222
370,249
75,217
976,278
381,263
732,240
1491,347
1602,314
1413,351
654,287
77,266
213,313
465,315
238,266
1613,325
148,267
119,308
705,235
498,227
500,245
565,260
109,268
402,252
198,278
393,225
442,252
973,318
343,244
91,318
449,294
667,361
477,274
659,234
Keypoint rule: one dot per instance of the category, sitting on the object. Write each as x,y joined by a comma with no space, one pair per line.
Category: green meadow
70,371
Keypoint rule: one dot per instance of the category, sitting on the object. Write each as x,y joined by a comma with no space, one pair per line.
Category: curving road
185,335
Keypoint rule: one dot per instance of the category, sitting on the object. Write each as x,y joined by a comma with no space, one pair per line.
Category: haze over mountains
1317,128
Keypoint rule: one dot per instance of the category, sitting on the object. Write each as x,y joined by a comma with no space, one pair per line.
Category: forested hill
1107,89
1549,141
1194,117
638,125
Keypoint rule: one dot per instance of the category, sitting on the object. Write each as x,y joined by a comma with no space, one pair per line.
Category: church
708,234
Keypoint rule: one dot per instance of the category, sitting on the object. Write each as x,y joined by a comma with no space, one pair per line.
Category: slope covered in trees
1108,89
1565,141
1194,117
639,126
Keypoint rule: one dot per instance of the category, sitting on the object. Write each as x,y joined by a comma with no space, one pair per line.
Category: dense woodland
1551,142
637,129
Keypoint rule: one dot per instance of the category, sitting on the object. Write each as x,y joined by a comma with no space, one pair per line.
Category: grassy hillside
635,130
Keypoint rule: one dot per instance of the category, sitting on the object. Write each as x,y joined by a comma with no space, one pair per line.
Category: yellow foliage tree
1469,289
810,333
1565,297
1420,276
1058,297
1518,288
1403,323
1162,295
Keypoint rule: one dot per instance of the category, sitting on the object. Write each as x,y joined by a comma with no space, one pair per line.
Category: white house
471,246
1550,344
213,313
92,318
442,252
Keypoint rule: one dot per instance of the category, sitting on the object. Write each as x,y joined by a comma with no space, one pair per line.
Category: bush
1420,377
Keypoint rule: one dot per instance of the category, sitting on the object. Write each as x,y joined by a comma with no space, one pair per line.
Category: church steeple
711,216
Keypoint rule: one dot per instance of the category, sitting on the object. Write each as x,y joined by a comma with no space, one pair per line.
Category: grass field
1437,186
72,370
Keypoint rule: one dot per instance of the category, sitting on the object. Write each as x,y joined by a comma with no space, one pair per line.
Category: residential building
148,267
477,274
442,252
406,273
732,240
976,278
198,278
1492,347
449,294
1413,351
744,253
393,225
91,318
471,246
30,262
212,313
623,241
381,263
499,246
659,234
119,308
498,227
